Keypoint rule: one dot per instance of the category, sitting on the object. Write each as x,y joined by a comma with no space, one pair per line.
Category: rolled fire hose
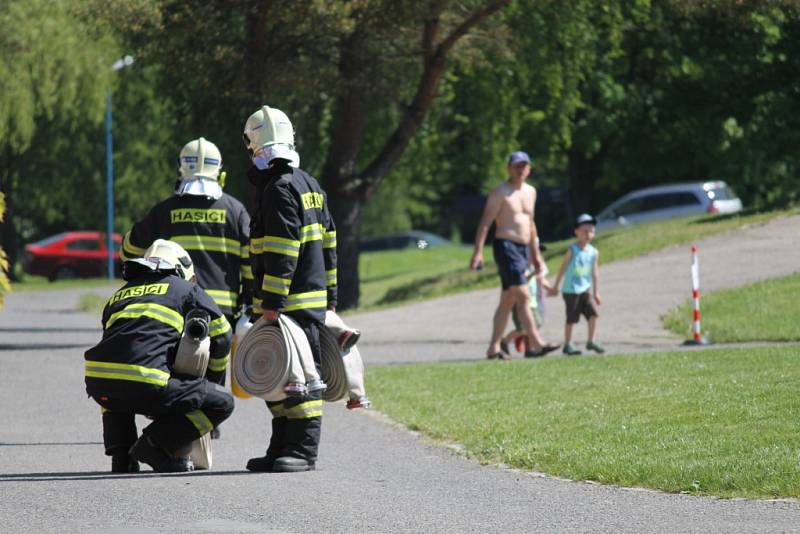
242,326
352,362
333,370
270,356
192,359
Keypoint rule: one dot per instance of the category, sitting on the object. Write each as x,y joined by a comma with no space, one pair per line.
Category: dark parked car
71,255
401,240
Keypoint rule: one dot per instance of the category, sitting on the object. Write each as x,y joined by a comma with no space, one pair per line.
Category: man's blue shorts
512,260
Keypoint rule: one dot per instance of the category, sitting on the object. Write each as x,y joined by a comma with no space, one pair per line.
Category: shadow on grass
434,285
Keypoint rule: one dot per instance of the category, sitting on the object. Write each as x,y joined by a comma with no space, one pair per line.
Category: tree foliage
401,107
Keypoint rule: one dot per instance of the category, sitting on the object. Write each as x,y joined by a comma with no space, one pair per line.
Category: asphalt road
372,475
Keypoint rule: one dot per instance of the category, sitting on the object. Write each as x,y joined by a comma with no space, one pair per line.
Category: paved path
635,294
372,477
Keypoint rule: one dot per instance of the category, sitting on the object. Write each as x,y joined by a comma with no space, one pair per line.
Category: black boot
264,463
145,450
300,447
122,462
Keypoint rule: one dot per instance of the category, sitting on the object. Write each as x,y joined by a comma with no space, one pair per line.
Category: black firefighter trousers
182,411
297,421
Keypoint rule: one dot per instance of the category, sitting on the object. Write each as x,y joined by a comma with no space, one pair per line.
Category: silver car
668,202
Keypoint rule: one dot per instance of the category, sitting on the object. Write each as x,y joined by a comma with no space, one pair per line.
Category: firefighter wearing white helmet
211,225
130,371
293,252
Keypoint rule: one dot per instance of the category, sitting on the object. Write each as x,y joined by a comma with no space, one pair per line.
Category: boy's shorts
578,304
512,261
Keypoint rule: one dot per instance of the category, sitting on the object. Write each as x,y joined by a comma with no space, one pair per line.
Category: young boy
582,277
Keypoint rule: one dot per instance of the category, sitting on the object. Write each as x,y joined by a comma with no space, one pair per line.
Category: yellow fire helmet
174,254
267,126
200,158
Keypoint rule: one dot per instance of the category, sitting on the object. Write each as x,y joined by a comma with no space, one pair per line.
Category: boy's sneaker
571,350
591,345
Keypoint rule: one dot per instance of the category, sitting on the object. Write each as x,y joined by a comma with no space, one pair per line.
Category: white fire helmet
174,254
200,158
267,126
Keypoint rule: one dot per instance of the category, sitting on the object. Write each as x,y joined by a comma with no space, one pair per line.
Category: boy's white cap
585,218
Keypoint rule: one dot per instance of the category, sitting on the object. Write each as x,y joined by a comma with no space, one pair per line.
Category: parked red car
71,255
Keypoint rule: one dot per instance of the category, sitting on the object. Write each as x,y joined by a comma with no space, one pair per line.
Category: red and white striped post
697,338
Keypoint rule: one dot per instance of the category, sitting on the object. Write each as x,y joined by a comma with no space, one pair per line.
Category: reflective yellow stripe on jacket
223,297
124,371
277,285
311,232
329,239
310,299
148,309
275,244
209,243
331,277
218,364
218,327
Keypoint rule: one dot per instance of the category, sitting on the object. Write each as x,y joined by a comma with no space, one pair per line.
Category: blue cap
518,157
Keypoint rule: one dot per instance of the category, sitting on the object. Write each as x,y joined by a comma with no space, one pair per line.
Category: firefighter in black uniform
130,370
293,252
212,225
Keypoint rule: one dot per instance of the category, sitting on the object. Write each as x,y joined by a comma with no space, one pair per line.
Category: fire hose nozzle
196,324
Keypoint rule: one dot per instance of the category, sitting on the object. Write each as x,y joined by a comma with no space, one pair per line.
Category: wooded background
402,108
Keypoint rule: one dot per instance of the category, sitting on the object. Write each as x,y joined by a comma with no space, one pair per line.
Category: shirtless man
510,206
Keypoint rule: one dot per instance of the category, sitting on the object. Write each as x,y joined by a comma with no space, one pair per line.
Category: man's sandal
542,351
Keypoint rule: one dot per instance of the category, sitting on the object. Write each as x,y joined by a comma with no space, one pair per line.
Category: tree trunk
8,233
346,210
582,172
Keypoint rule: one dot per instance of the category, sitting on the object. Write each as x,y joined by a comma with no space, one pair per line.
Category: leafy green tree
52,67
5,286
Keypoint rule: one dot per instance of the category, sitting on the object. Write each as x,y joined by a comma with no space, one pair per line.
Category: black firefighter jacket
215,233
292,244
142,327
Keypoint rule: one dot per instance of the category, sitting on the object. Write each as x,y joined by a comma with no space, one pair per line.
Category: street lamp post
121,63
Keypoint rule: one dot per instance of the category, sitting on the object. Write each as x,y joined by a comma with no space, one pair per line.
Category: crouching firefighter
293,254
131,370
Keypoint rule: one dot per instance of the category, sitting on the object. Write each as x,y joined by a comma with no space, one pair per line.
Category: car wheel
63,273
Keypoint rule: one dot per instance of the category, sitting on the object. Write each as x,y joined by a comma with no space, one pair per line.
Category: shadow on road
46,329
42,346
105,475
50,444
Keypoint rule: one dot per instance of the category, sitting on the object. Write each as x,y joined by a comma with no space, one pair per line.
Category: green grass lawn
763,311
392,277
720,422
